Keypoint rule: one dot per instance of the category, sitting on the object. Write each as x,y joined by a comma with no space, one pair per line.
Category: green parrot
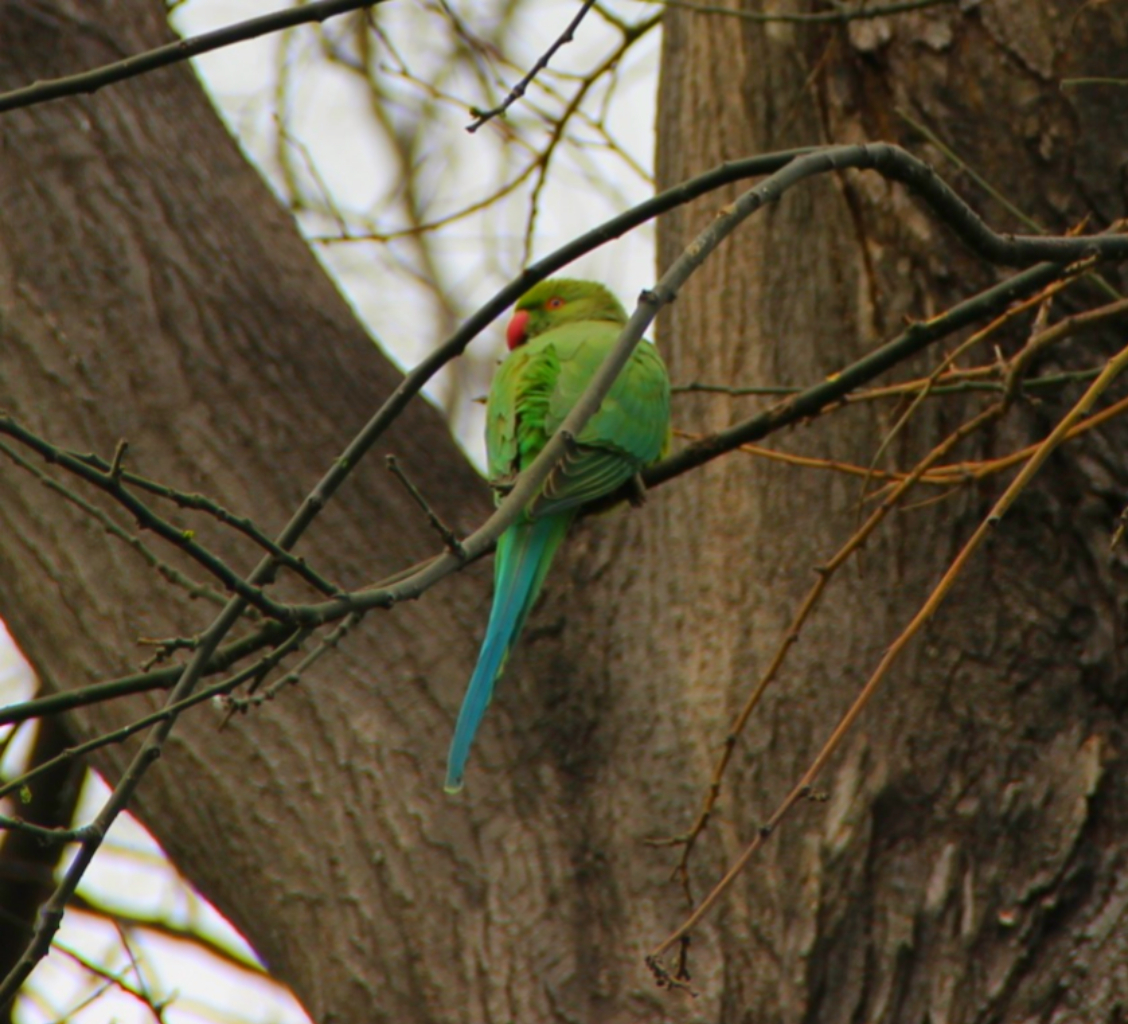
560,333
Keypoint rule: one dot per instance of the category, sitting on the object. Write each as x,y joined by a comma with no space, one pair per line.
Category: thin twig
229,957
791,636
202,503
142,682
949,361
631,35
1063,329
243,704
964,472
40,832
918,399
953,382
146,995
114,486
482,116
165,648
1118,533
112,980
1080,410
1067,83
89,833
450,541
119,457
193,588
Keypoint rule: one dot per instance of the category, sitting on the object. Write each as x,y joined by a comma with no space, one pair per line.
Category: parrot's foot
636,491
503,485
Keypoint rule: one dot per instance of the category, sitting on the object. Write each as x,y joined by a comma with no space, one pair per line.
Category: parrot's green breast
537,386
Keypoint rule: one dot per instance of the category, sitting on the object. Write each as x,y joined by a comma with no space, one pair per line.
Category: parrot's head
560,301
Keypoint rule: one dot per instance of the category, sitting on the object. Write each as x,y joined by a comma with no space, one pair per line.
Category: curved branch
814,399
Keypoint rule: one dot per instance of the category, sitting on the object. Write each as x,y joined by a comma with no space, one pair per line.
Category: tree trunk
151,289
965,863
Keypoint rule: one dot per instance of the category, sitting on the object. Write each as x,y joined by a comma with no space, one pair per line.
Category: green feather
570,329
536,388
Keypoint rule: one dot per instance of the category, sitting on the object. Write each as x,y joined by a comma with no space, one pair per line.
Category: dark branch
202,503
95,832
482,116
173,53
140,682
814,399
110,481
450,541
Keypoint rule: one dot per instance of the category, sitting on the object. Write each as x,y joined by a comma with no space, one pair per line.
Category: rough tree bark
965,863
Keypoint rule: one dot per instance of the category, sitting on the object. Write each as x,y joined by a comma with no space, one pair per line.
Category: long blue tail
524,554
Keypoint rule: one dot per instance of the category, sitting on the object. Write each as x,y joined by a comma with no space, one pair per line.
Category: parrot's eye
554,303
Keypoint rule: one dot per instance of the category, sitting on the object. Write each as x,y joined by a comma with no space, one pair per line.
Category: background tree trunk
965,863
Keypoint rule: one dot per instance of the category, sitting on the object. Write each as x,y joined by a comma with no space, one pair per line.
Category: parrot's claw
503,485
636,491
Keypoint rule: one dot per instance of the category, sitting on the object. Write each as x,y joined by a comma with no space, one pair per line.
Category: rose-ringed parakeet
559,335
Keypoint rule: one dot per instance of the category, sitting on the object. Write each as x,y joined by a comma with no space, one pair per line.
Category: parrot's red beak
515,333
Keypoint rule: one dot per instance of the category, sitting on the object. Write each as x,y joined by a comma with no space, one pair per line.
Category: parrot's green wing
517,411
537,387
502,456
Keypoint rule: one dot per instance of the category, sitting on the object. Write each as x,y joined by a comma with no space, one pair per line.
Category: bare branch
243,704
183,49
174,576
202,503
450,541
482,116
92,833
110,482
141,682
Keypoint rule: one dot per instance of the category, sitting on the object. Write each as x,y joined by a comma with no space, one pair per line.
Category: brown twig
1063,329
1081,408
945,364
791,637
924,472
